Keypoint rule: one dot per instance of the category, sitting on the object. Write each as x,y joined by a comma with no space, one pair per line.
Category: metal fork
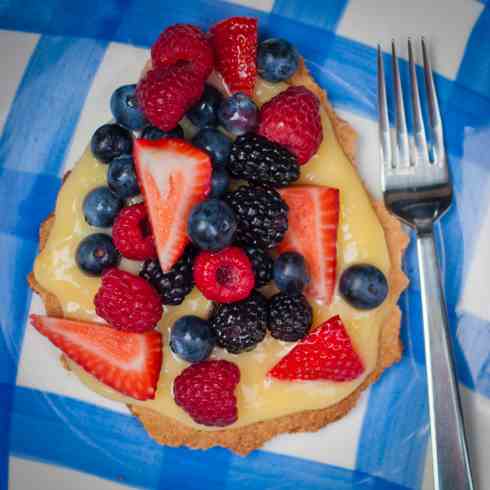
417,189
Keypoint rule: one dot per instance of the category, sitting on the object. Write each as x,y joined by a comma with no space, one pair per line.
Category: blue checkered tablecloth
60,61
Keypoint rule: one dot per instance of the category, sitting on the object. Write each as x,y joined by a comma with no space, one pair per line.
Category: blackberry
175,285
260,161
262,264
290,316
241,326
261,213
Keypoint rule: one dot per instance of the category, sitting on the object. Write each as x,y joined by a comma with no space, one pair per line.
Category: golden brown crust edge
243,440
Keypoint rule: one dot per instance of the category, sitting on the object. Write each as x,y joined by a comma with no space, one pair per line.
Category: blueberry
363,286
121,177
277,59
95,253
153,133
204,112
238,114
192,339
290,272
124,107
111,141
215,143
220,181
212,225
101,206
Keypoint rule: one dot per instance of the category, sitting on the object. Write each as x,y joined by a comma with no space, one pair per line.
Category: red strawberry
184,42
225,276
235,46
131,234
312,231
127,302
325,354
292,119
206,392
127,362
166,94
174,177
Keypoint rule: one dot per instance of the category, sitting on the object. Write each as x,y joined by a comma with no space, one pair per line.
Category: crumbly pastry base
243,440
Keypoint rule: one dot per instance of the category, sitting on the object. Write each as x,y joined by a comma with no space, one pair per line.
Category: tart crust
243,440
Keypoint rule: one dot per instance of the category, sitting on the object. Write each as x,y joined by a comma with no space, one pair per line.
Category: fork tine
400,120
418,121
384,124
434,113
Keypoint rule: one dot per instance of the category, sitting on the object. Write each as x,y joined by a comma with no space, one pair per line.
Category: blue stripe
6,395
35,139
16,255
88,18
30,209
48,102
128,21
474,71
314,12
73,434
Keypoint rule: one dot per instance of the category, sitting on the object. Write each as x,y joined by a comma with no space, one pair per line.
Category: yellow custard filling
360,239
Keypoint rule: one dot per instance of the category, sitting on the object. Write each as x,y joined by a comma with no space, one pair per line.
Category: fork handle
449,450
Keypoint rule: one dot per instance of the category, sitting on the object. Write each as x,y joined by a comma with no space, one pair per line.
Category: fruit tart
214,260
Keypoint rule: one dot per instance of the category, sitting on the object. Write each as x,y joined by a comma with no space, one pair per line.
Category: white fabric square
263,5
16,50
475,297
380,22
474,196
29,475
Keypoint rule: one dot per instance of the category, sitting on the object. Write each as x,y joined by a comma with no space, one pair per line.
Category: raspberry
292,119
206,392
184,42
127,302
225,276
131,233
165,94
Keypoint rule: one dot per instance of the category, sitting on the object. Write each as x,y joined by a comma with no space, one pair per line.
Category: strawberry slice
312,231
127,362
325,354
235,46
174,176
